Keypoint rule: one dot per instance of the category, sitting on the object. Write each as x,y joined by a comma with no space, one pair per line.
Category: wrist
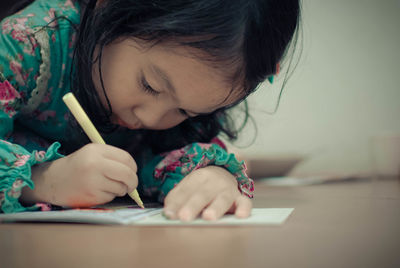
38,194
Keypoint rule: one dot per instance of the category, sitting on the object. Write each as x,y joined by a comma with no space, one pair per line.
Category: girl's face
158,87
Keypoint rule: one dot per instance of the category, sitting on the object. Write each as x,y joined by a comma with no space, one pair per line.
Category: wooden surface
352,224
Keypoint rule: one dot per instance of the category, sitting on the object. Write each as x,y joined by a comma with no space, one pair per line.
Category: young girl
156,77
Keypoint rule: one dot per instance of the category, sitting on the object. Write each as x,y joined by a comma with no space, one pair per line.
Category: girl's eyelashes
147,88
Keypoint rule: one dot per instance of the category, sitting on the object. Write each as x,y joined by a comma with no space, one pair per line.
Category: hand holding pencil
84,121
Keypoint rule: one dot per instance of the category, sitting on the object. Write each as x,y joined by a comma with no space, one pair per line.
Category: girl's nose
159,116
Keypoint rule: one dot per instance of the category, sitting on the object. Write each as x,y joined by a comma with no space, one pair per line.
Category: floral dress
35,63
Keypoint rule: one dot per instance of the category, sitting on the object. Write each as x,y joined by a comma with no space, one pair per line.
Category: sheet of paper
148,216
259,216
90,215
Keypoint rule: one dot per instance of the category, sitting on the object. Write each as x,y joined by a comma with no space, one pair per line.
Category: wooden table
351,224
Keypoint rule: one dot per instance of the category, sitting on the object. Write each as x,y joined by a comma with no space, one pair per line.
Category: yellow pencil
87,125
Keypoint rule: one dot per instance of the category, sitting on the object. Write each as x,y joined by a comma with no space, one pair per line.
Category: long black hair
246,37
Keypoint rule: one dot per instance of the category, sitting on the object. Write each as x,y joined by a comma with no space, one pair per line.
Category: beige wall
345,89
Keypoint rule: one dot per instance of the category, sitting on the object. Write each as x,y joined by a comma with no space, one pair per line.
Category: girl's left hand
210,192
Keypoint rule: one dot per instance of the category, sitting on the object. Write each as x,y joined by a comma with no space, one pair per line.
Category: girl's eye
147,88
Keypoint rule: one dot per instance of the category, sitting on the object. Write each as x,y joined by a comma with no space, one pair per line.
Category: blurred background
344,91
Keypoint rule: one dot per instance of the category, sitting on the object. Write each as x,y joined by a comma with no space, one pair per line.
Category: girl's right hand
93,175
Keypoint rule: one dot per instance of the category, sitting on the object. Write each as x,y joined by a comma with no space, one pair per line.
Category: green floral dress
35,65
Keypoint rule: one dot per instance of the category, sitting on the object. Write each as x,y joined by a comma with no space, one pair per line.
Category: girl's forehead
191,68
188,72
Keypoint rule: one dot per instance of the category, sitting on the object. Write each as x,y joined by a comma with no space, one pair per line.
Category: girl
156,77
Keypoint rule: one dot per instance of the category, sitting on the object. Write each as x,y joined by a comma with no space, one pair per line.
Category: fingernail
185,215
169,214
210,215
241,213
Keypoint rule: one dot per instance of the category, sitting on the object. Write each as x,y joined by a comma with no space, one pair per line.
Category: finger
115,188
119,155
179,195
173,202
243,206
221,204
120,172
196,203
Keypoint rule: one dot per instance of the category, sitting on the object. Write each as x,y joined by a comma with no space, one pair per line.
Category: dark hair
250,36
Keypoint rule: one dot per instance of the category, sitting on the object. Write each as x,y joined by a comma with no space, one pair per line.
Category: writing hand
95,174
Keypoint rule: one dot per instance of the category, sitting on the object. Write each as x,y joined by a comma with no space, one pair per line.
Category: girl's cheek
170,121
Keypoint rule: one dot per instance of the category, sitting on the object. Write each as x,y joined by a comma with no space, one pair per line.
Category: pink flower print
43,116
19,36
53,38
20,24
158,173
16,67
39,155
70,5
185,169
6,27
21,160
17,184
170,162
16,189
6,142
51,18
9,110
31,46
8,92
8,95
16,28
172,167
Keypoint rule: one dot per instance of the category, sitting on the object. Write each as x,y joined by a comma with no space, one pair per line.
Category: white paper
143,217
100,216
259,216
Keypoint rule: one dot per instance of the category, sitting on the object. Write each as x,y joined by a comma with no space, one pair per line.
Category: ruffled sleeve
15,173
23,85
160,175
